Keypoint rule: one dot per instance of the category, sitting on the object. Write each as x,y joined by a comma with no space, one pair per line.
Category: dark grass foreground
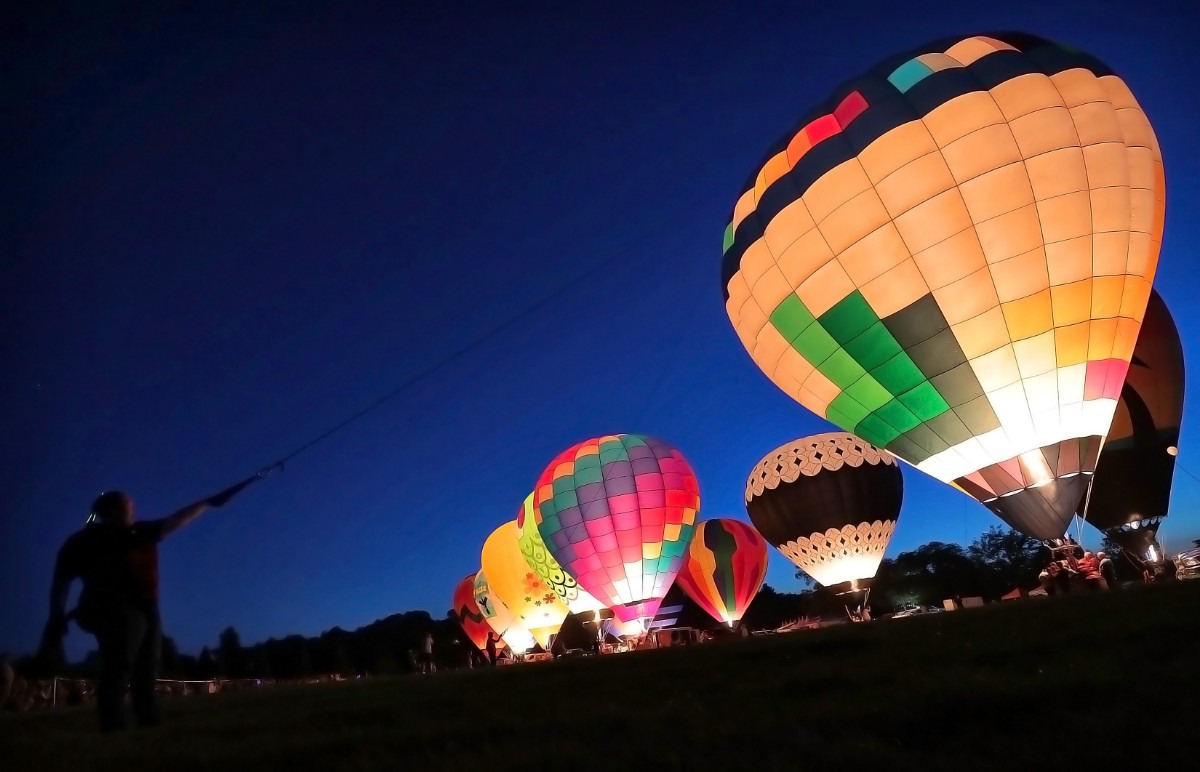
1092,682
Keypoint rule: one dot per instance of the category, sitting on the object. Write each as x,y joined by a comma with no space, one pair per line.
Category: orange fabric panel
1072,302
1025,94
1100,342
1069,261
1065,217
934,220
962,115
982,334
1071,343
1036,355
951,259
799,145
792,222
1096,122
769,346
802,259
819,391
874,254
899,287
1021,276
1135,298
1111,209
1010,234
835,187
1078,86
981,151
915,182
1045,130
1110,253
755,262
968,297
853,220
997,192
743,207
1106,296
771,288
1028,316
775,167
894,149
825,288
974,48
996,369
1057,172
1106,165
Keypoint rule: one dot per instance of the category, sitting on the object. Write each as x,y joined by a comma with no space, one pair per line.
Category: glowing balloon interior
617,512
495,612
951,258
540,560
724,568
469,615
829,503
536,607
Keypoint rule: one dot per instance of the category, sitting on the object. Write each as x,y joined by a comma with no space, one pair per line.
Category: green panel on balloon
899,374
874,347
815,344
584,475
925,401
846,411
791,318
868,393
850,317
875,430
841,368
897,416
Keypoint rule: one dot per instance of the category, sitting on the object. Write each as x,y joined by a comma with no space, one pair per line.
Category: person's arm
173,522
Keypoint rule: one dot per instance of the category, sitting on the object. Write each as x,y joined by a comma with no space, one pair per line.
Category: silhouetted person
427,665
1107,570
491,648
117,560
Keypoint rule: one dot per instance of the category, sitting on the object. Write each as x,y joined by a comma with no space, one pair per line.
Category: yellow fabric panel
1010,234
802,259
671,530
958,117
775,167
1028,316
1025,94
1078,86
1071,344
744,206
915,182
980,152
1069,261
818,391
755,262
1072,302
1042,390
651,550
1096,122
1137,295
1021,276
1126,338
1106,165
1071,381
791,370
996,369
771,288
896,148
874,254
972,49
1103,331
982,334
1106,296
1065,217
968,297
1036,355
938,62
821,291
1111,208
1110,253
853,220
792,222
951,259
998,192
899,287
934,220
1057,172
1044,130
834,188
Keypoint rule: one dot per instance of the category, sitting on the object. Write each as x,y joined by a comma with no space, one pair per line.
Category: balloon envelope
724,567
829,502
616,512
1137,465
578,600
469,615
951,259
537,607
495,612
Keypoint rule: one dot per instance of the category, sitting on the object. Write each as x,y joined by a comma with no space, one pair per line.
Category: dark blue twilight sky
225,229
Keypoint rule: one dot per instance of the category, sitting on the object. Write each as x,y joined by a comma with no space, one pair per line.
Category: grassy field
1091,681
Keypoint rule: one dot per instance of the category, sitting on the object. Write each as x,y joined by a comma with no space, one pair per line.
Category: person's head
1087,555
1101,555
112,508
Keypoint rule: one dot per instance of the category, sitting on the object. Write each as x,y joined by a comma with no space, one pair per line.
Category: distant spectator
1107,569
427,665
492,639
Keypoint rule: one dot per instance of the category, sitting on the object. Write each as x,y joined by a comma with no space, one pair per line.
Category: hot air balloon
616,512
540,560
469,615
1132,487
830,504
951,258
499,617
537,607
723,568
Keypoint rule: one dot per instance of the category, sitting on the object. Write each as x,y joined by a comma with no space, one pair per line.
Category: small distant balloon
469,615
724,568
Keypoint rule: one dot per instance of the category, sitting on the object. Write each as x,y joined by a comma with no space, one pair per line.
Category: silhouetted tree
230,657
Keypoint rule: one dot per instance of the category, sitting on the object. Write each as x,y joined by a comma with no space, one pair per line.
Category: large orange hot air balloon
723,568
535,605
951,259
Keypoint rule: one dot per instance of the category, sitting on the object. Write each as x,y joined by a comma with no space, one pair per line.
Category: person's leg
113,640
145,671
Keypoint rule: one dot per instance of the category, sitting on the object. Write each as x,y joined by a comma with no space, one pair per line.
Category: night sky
226,229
